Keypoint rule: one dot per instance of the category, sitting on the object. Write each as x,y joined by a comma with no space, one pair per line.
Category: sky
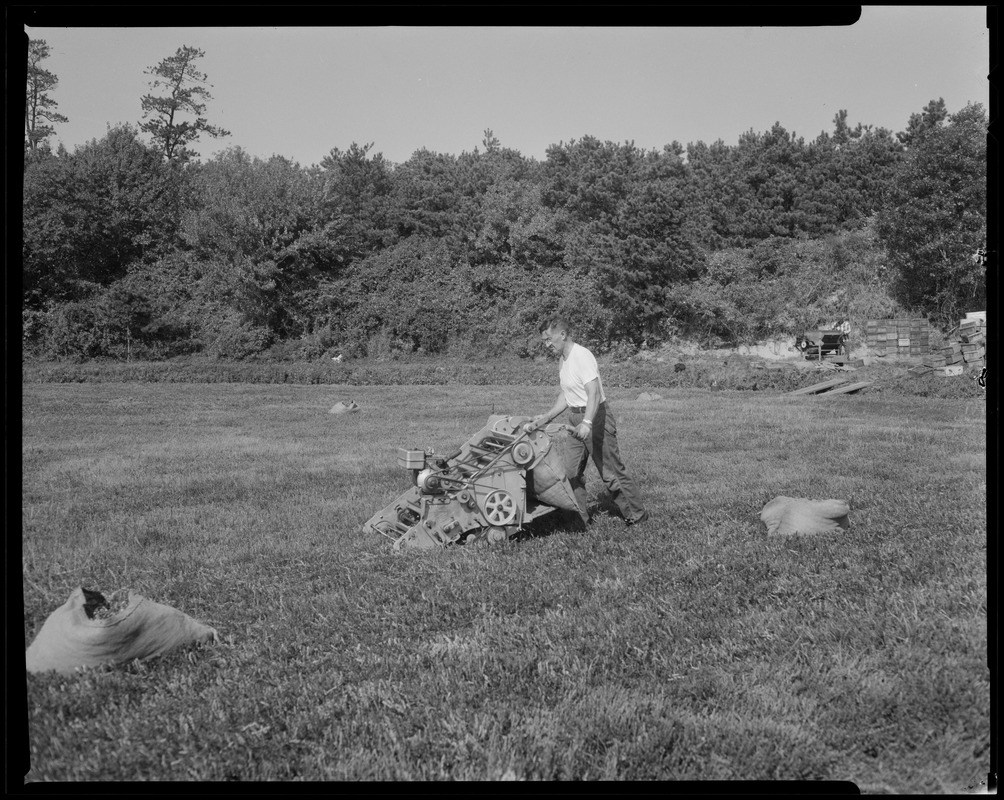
299,92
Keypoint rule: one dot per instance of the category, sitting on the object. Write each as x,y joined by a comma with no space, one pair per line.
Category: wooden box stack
966,346
973,337
899,337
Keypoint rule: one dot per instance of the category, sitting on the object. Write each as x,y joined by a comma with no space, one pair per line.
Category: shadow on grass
562,521
605,506
559,521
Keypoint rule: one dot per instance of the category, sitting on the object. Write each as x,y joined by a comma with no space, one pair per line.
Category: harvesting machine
498,481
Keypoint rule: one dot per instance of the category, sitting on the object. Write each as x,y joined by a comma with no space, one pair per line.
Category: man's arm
585,427
541,420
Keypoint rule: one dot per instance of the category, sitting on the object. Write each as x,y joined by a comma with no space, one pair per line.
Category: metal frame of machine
502,478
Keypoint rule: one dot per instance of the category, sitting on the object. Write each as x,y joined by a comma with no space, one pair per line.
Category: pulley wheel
500,508
522,453
485,536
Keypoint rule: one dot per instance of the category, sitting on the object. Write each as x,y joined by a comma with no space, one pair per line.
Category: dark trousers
601,446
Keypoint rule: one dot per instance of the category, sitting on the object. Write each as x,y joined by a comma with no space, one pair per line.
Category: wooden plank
819,387
851,387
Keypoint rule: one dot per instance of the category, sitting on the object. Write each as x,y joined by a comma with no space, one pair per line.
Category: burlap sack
549,481
794,515
70,638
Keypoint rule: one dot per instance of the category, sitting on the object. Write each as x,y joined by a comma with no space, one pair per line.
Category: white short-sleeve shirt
577,369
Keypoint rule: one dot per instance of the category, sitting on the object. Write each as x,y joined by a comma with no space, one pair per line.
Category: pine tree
40,109
186,94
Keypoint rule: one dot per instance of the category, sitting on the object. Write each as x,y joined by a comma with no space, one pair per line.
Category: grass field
692,648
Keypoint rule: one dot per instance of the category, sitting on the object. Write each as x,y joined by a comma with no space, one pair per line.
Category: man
595,430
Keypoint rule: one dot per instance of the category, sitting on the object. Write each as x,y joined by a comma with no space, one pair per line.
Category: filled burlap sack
549,483
796,515
85,632
547,477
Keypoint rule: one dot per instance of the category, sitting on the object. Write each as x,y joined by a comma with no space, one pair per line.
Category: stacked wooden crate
972,332
966,346
899,337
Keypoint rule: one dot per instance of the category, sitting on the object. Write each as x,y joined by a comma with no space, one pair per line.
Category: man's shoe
638,520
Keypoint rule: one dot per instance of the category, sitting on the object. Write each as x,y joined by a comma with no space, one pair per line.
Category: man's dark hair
555,324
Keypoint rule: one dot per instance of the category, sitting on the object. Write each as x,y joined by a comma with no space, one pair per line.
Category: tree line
132,247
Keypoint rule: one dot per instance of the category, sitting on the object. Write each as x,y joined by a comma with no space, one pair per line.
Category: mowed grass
692,648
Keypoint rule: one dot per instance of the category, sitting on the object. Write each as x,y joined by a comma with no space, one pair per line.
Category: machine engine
498,481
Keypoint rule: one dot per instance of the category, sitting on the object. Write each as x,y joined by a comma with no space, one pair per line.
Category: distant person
595,429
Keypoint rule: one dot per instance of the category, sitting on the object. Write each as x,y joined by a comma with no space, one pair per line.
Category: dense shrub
783,286
229,336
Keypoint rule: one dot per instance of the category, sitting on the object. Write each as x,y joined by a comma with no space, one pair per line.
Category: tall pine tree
162,116
40,109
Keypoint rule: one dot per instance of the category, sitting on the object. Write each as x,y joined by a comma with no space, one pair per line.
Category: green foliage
230,335
124,321
79,330
625,230
589,178
88,216
356,214
426,196
513,230
410,293
709,178
849,176
783,286
465,254
253,225
168,290
774,184
645,252
771,170
935,218
933,115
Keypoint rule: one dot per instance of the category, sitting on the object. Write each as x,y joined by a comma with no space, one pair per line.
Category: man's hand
582,431
535,423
